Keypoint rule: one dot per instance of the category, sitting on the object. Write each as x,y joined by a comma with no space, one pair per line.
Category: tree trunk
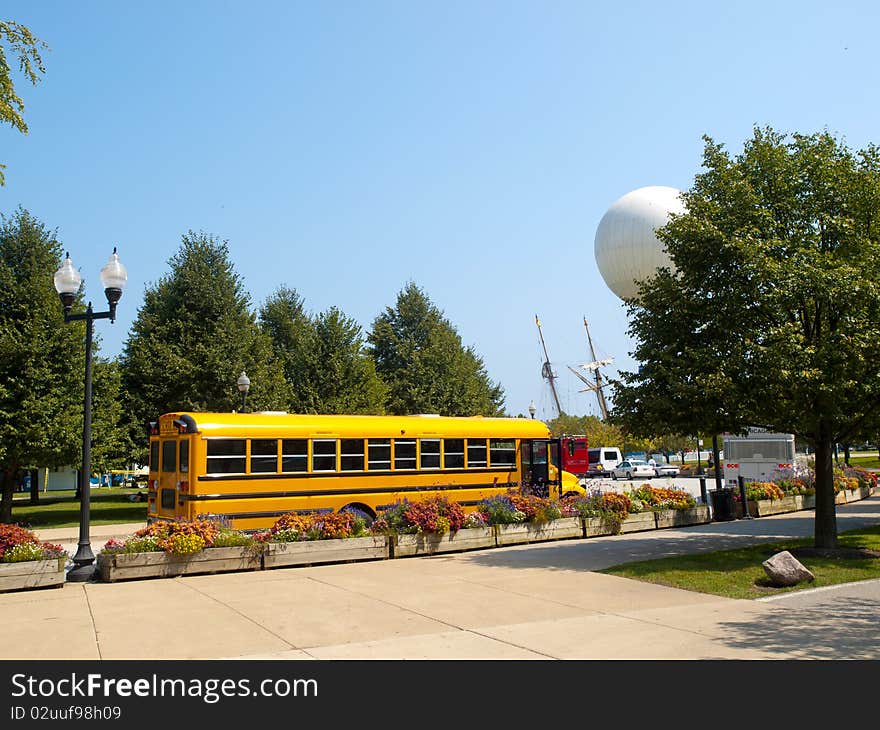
846,454
825,523
7,485
35,488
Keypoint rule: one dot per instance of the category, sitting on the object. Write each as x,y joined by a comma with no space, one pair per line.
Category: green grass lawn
60,509
738,573
866,462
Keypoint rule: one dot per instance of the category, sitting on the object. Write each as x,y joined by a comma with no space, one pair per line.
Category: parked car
603,460
666,470
632,468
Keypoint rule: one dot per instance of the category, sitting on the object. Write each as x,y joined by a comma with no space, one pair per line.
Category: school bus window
502,452
184,456
429,454
294,455
404,454
226,456
168,498
264,455
453,453
352,455
169,456
324,455
379,454
476,453
154,456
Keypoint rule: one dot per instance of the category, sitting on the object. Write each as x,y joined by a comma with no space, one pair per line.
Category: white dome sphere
627,248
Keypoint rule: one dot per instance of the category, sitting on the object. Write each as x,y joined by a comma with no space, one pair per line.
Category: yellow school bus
247,469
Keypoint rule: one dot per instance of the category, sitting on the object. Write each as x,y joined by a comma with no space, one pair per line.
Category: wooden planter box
698,515
471,538
312,552
596,527
840,497
32,574
539,531
856,495
638,523
126,566
765,507
803,501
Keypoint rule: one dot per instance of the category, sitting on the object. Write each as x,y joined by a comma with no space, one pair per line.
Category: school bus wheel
360,510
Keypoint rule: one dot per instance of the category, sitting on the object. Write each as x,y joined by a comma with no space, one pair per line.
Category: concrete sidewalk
538,601
98,534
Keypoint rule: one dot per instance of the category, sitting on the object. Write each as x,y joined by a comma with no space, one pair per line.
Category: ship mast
594,365
547,370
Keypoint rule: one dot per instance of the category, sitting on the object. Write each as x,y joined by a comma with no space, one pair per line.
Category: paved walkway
520,602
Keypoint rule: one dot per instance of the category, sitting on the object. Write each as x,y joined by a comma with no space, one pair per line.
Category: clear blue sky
345,148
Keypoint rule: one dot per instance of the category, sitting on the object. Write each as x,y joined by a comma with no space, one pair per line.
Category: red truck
575,456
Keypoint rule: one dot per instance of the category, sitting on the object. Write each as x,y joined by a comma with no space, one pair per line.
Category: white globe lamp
626,247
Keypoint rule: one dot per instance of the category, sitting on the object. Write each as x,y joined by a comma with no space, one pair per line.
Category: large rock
783,569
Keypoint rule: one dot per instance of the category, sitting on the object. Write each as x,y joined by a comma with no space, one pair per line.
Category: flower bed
432,525
648,497
310,539
165,549
26,563
523,518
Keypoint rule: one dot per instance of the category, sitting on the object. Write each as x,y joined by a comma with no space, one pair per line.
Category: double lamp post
67,284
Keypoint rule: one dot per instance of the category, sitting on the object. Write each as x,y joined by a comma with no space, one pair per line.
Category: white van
603,460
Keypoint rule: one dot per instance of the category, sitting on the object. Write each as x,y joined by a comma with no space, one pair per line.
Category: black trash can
723,508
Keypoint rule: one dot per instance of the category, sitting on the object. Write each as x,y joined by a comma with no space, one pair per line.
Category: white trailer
757,455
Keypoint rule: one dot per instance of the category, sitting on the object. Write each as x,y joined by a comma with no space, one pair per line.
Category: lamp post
67,283
244,384
532,409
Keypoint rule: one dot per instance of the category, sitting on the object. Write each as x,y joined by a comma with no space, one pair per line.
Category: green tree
42,359
284,320
26,46
325,360
667,444
771,319
346,378
597,431
111,442
193,336
420,357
